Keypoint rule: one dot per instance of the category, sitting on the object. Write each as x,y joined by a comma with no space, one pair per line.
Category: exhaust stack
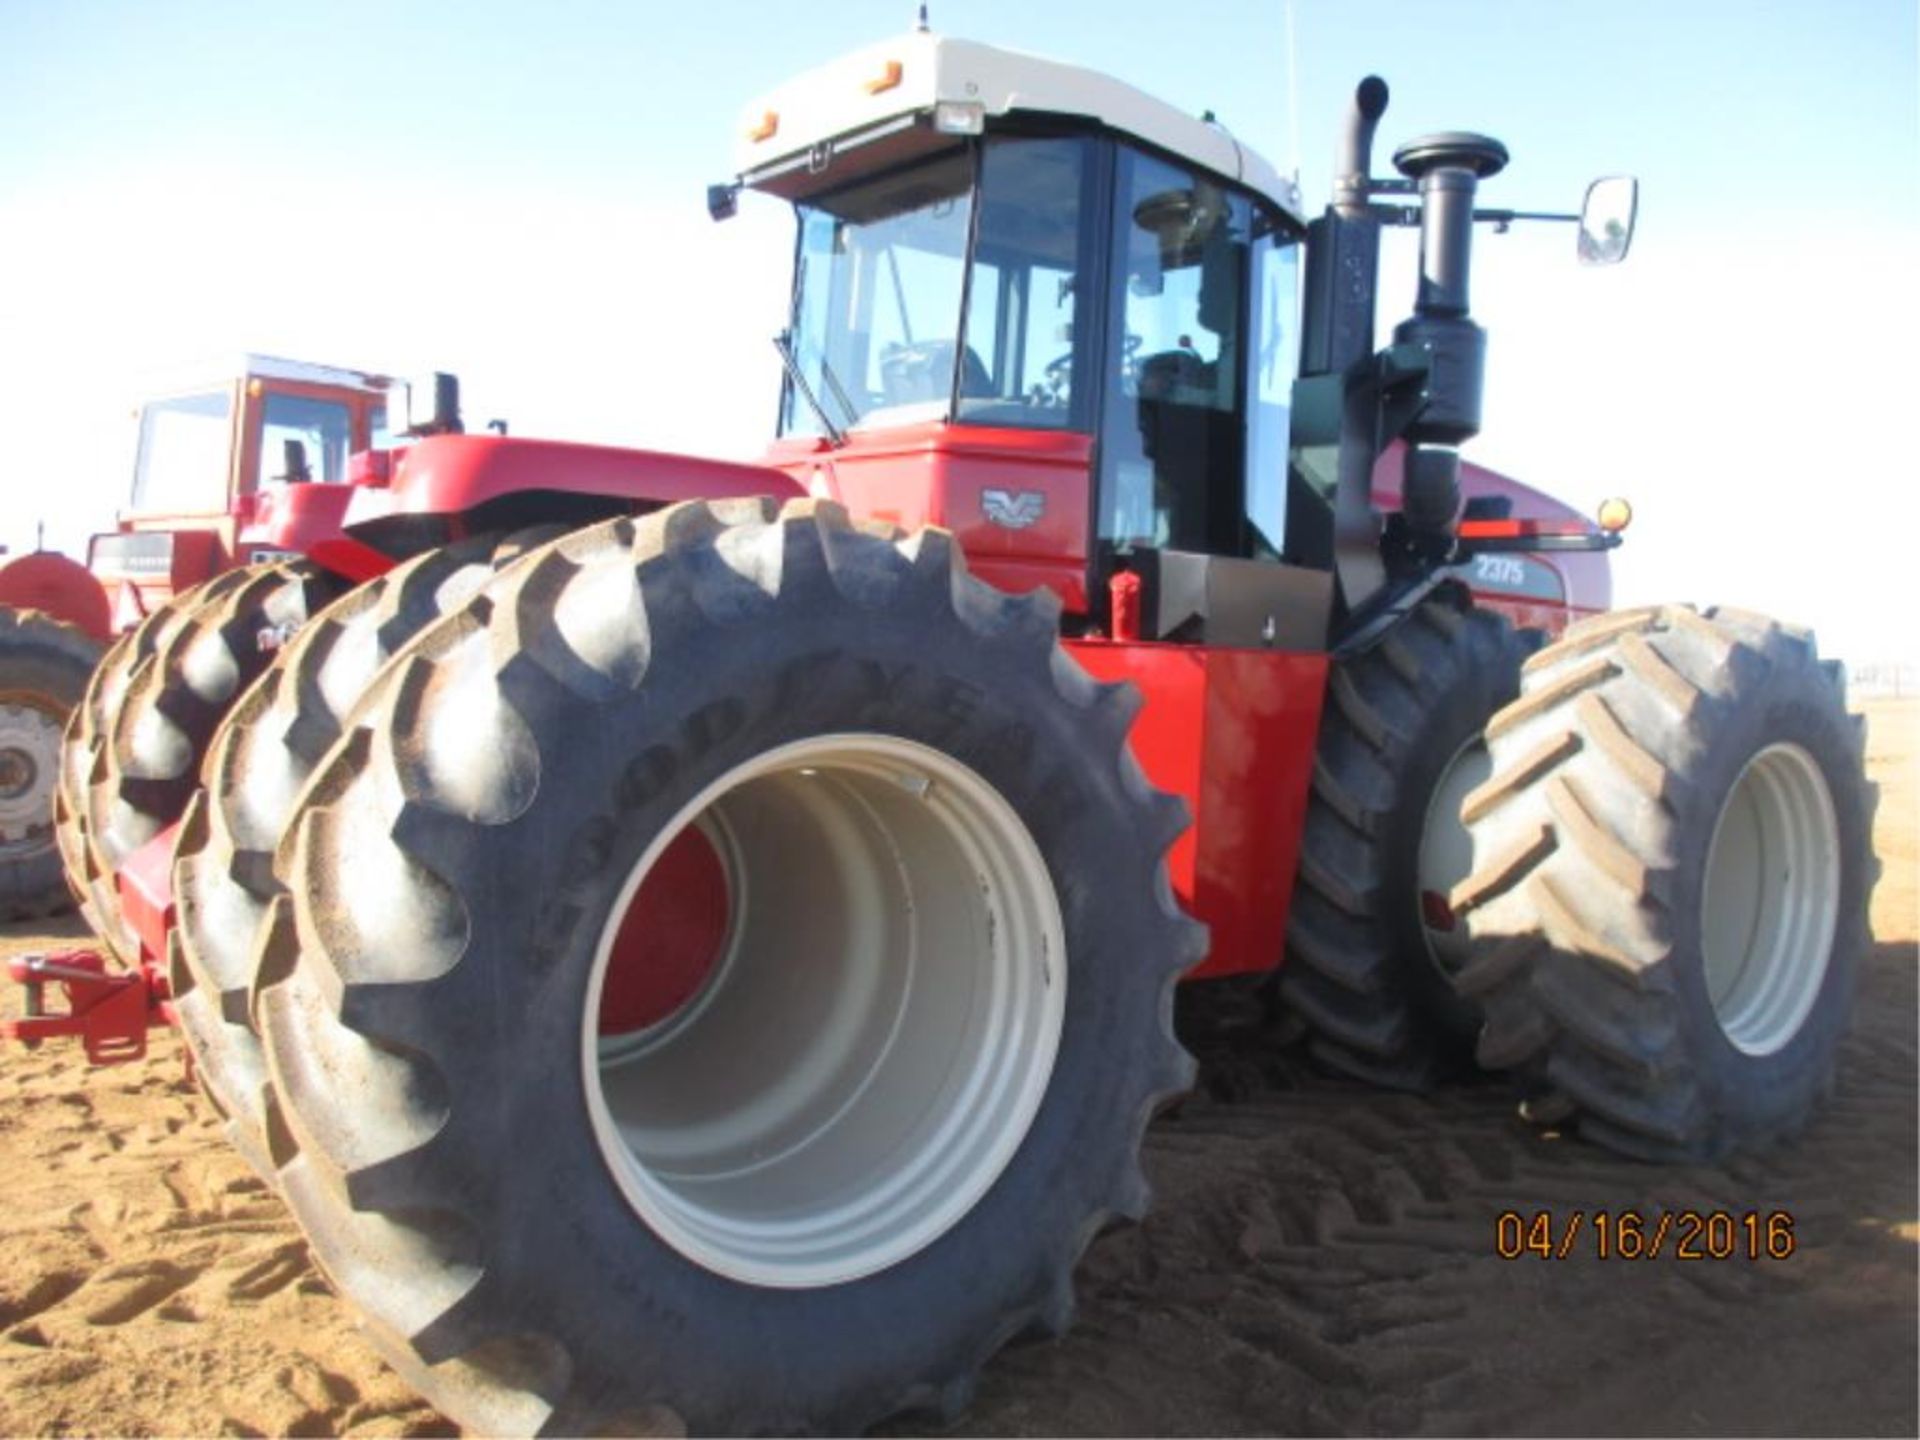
1343,247
1448,169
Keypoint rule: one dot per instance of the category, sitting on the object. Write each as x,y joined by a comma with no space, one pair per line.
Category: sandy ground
1321,1260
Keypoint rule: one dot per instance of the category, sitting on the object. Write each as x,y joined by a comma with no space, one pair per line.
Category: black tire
258,760
1361,971
423,997
1598,944
45,665
147,730
82,758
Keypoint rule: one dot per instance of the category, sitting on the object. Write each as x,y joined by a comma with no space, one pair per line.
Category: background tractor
695,944
218,458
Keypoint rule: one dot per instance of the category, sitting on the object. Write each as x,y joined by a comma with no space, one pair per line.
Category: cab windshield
890,328
181,464
877,297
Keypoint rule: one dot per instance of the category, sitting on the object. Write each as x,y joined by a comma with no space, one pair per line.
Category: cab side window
1172,437
1019,359
323,430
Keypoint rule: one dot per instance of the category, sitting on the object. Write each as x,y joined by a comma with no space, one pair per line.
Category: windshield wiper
783,342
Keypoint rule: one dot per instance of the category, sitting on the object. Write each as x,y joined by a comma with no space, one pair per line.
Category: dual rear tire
132,756
798,1138
1632,872
1672,863
255,765
1371,942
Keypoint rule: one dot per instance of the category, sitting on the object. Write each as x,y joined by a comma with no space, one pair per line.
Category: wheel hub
857,1062
29,761
1772,899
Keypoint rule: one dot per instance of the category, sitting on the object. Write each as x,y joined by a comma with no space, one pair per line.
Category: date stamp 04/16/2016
1644,1235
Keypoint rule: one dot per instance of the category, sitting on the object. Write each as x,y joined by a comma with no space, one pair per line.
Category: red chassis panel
309,520
939,474
1232,731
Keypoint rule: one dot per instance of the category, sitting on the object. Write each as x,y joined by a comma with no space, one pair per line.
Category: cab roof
890,85
209,374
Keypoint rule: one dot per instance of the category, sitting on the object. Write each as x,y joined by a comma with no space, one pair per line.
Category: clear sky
514,191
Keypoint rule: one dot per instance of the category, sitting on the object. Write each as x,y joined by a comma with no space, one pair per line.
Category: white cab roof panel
215,374
849,95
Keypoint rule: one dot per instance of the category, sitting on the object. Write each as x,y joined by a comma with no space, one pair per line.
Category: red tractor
695,944
219,455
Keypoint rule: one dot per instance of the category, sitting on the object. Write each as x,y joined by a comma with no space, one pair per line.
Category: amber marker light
1615,515
765,127
885,78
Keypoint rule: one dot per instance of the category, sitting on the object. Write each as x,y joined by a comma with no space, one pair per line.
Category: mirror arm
1507,217
1410,215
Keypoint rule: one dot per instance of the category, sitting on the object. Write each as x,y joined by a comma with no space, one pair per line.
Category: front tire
1369,939
1672,865
818,1175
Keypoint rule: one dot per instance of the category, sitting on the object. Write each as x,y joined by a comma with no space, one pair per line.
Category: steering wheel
1055,387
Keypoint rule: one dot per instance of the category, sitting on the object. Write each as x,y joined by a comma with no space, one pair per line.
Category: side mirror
1606,219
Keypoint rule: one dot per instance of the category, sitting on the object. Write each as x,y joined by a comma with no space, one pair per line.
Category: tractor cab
215,448
205,441
1064,319
1056,316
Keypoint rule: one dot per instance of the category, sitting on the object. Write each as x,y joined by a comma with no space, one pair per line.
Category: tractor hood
449,485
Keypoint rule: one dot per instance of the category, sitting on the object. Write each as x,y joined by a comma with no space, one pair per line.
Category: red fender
453,475
65,589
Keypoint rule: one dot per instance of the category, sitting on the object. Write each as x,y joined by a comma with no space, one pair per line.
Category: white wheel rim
875,1041
1771,900
29,767
1446,850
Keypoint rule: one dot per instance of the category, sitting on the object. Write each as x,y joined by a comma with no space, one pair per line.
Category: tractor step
111,1012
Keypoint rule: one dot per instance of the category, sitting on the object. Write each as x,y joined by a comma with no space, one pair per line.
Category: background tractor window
324,429
182,461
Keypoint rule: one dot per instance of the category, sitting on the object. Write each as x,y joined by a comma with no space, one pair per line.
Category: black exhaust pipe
1343,248
1448,169
1353,163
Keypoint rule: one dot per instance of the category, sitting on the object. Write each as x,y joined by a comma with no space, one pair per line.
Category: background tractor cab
1062,318
232,466
214,447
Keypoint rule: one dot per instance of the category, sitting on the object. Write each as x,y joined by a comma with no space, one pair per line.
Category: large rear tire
1370,941
144,729
45,665
1672,866
223,881
865,1145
